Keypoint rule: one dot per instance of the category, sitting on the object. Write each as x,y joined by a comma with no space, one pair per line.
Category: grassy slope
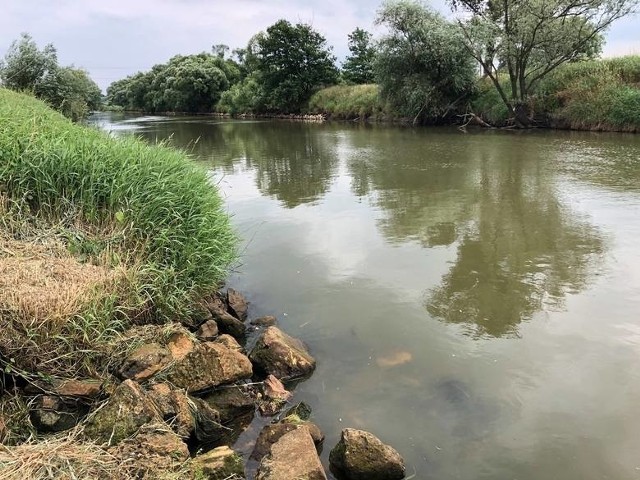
348,102
139,228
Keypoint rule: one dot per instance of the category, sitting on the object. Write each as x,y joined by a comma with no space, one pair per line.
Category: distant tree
67,89
358,66
292,62
529,39
25,66
422,65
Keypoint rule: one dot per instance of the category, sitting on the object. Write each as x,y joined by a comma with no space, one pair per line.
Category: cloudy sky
114,38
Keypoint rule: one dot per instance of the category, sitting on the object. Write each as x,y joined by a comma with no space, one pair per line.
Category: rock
53,414
209,428
174,408
266,321
227,323
144,362
180,345
209,365
230,402
300,410
221,463
153,449
89,388
208,330
281,355
238,305
359,455
275,396
229,342
126,411
292,456
270,434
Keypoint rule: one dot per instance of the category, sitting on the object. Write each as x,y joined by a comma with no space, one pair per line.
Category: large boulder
360,455
208,365
292,456
279,354
174,408
144,362
125,412
221,463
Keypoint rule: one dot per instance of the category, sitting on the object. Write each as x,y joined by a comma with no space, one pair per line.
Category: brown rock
360,455
293,456
125,412
79,388
180,345
229,342
208,330
275,396
144,362
266,321
238,305
219,464
209,365
209,429
281,355
270,434
174,408
227,323
231,402
54,414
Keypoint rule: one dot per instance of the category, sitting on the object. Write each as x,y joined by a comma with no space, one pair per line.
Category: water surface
472,299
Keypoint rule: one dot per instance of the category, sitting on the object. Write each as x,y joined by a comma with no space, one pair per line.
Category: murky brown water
472,299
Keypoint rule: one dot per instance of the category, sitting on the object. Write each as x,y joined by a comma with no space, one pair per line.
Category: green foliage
422,65
67,89
348,102
192,83
169,217
291,63
529,40
358,66
244,97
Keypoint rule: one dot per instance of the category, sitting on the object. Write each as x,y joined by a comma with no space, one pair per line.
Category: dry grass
70,457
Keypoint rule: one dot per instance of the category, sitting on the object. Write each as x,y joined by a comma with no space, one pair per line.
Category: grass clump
348,102
97,234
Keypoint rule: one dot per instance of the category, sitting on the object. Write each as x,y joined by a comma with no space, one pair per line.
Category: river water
473,299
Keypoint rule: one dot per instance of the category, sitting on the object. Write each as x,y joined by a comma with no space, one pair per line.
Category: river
473,299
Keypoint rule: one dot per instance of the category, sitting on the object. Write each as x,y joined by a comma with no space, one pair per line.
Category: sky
115,38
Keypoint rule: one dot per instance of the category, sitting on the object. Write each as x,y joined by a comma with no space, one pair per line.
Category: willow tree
529,39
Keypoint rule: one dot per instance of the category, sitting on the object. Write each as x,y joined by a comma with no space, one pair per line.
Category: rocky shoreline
180,399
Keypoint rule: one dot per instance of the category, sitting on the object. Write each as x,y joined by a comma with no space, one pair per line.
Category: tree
292,62
422,66
25,67
530,39
358,66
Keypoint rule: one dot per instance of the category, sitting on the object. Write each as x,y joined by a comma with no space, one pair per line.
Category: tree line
427,66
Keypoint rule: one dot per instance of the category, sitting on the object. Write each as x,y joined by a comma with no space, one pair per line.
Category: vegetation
422,66
529,40
67,89
349,102
97,234
358,66
191,83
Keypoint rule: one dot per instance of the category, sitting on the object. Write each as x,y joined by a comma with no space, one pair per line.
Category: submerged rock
125,412
292,456
266,321
209,365
281,355
238,305
360,455
221,463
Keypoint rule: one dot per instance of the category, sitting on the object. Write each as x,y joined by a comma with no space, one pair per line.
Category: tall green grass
348,102
169,218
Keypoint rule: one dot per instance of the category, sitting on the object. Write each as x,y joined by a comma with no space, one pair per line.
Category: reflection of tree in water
520,249
294,162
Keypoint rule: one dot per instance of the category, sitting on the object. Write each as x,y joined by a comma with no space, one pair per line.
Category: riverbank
596,95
